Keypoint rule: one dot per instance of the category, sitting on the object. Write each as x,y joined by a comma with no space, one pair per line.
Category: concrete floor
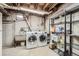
21,51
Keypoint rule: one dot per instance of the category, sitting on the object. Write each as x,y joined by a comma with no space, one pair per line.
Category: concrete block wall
12,29
75,17
8,34
8,31
18,26
75,27
34,23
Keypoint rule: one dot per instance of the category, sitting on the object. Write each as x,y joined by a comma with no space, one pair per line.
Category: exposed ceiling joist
28,5
52,6
18,4
45,6
36,6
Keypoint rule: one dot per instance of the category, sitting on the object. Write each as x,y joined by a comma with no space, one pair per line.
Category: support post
71,33
65,36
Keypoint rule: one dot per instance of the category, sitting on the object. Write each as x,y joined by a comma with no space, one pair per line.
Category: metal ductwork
25,10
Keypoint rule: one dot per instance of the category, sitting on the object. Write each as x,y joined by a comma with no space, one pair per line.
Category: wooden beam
18,4
52,6
36,5
45,6
28,5
25,5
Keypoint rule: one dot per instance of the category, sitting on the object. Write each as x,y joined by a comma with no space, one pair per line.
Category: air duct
25,9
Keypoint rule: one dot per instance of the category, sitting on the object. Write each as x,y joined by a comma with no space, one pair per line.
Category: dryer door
32,38
42,38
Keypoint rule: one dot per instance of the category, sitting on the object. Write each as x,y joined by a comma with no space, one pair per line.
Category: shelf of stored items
67,22
61,33
74,35
57,32
60,49
75,51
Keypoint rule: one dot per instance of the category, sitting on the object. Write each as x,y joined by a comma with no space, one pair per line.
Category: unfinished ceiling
38,8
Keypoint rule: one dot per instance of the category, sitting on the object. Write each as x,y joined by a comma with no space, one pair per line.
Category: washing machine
42,38
31,40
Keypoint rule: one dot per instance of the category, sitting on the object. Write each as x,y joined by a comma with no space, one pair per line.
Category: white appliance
42,38
31,40
53,38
